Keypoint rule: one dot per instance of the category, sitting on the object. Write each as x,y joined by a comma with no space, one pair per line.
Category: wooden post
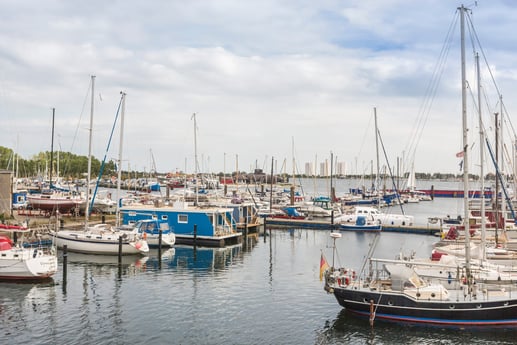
245,230
160,232
120,250
372,312
65,263
265,226
195,235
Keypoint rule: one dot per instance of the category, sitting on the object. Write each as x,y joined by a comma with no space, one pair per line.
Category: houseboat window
211,218
164,217
182,218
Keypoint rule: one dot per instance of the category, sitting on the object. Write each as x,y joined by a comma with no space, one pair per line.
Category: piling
160,248
245,234
120,250
195,235
65,262
265,229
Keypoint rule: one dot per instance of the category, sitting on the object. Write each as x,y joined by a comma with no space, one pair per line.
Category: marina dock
327,225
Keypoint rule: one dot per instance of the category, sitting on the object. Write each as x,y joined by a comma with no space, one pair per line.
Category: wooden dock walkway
326,225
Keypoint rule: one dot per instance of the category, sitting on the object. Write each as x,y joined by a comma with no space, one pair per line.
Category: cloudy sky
265,79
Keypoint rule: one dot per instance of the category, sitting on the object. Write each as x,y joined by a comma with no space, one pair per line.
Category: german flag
323,266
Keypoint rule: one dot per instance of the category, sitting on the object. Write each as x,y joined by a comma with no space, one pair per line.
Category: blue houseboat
204,226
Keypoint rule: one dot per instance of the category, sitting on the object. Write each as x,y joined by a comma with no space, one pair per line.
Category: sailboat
395,292
21,263
53,200
100,238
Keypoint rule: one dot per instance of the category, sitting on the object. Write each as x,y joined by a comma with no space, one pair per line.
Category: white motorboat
18,262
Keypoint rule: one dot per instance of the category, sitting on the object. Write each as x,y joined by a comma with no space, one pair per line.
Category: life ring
347,280
339,281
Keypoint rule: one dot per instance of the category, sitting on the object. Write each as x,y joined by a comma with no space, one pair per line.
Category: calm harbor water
265,291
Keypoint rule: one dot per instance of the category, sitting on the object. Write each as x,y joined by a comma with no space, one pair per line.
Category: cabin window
154,217
164,217
132,214
182,218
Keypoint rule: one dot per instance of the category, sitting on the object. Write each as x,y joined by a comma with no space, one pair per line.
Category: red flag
460,154
323,266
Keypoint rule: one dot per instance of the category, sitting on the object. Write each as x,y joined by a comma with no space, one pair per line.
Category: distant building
324,168
341,168
309,170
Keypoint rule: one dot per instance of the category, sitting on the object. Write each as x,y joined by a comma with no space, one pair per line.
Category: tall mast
88,176
122,112
465,144
52,147
481,165
377,156
195,157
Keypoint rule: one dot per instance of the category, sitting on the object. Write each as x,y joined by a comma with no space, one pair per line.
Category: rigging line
364,137
105,155
500,177
509,120
67,163
391,173
431,89
469,19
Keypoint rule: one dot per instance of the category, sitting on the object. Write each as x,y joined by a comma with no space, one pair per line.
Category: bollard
103,219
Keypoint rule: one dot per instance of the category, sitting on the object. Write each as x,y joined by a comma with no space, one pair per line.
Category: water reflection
349,328
191,258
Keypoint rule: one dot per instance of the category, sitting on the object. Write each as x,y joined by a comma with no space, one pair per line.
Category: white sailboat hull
27,264
97,243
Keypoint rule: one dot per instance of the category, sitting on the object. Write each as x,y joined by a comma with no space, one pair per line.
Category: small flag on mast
460,154
323,266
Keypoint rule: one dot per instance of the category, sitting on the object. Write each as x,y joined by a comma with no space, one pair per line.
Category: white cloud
257,74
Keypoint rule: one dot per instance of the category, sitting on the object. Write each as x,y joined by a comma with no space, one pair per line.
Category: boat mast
377,189
481,165
195,158
52,148
88,176
123,110
465,145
